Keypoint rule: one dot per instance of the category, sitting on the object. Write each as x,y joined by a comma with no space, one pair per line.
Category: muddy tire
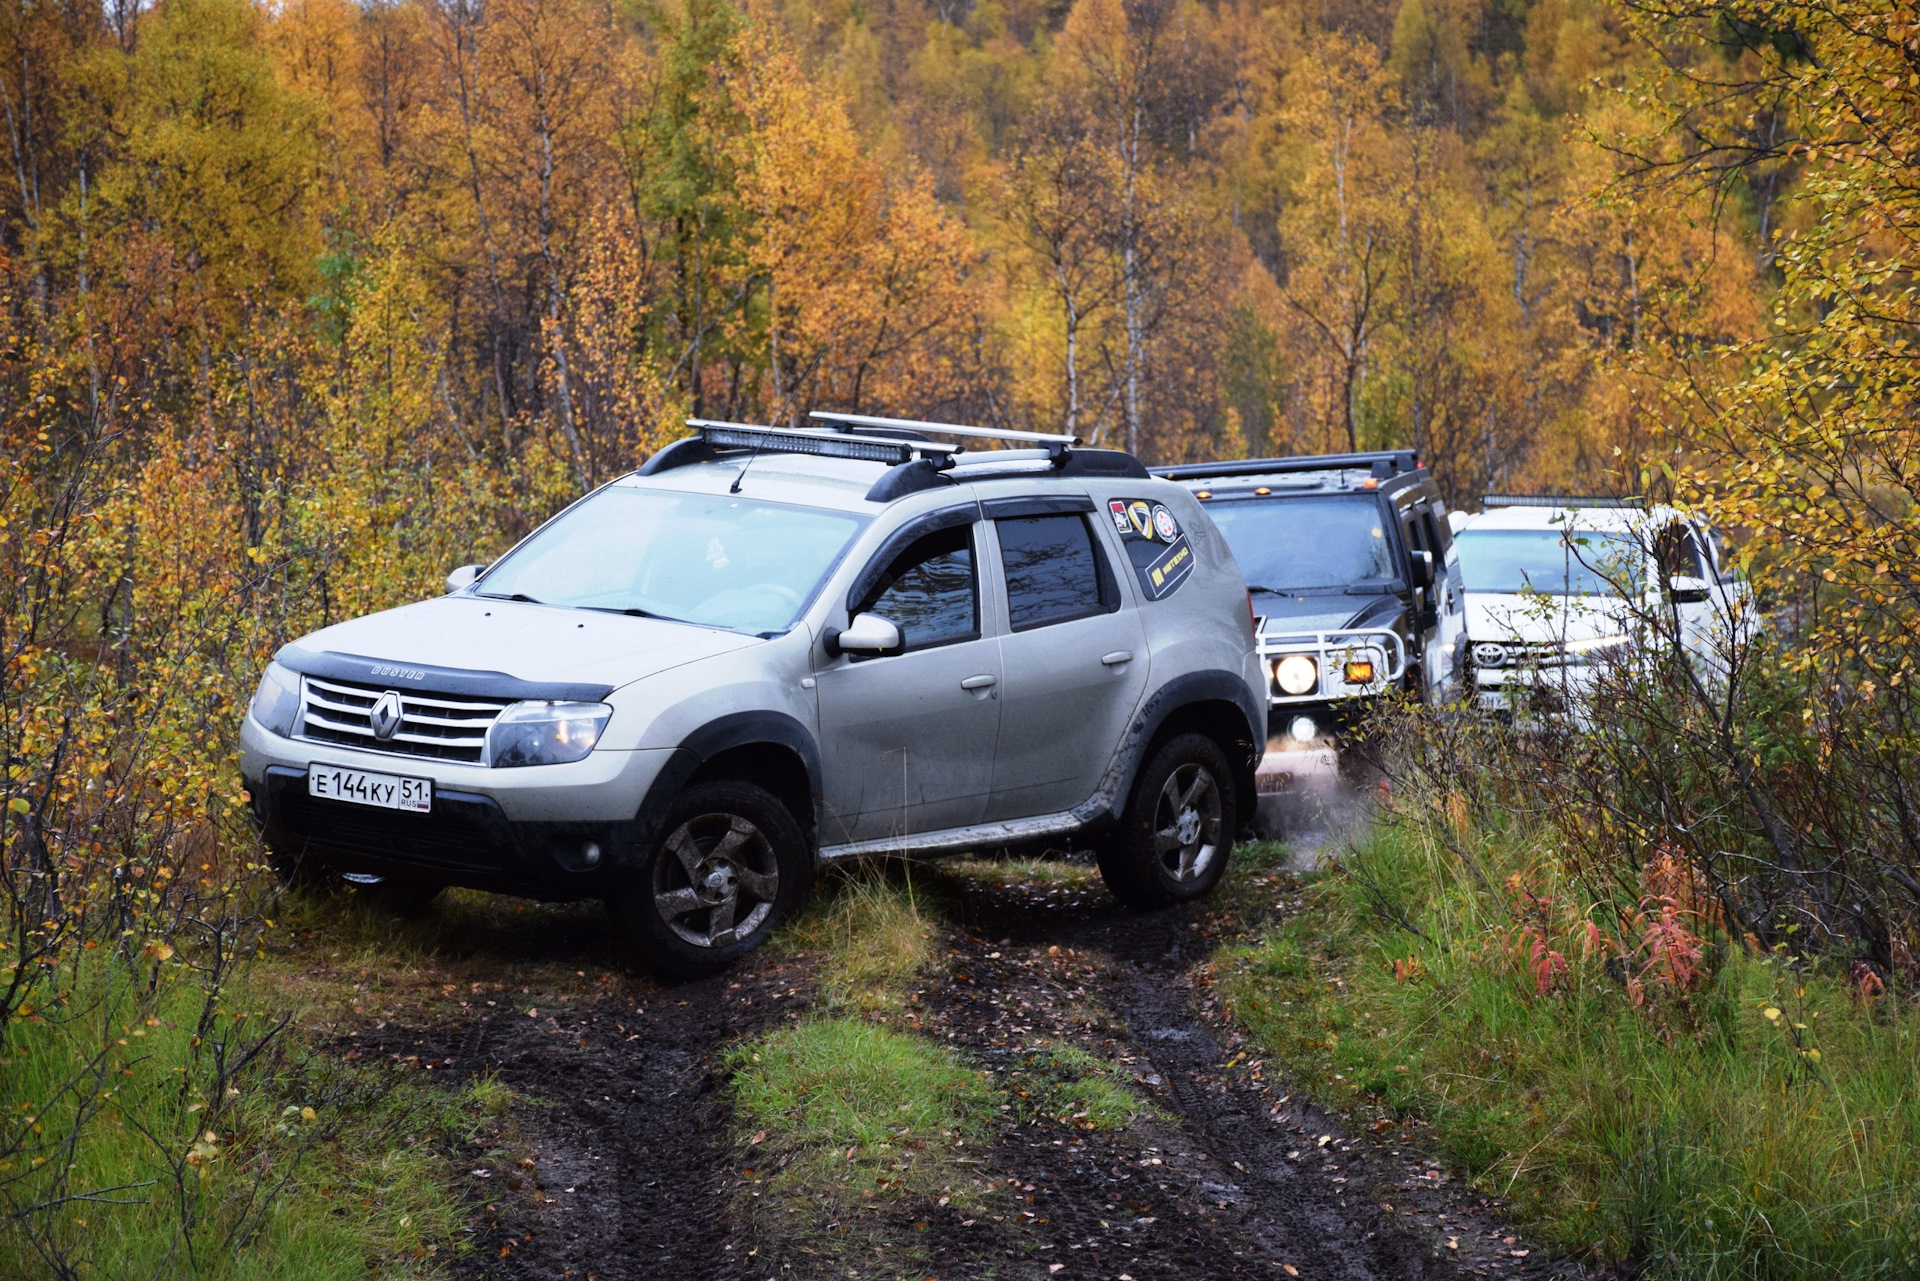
729,865
1175,837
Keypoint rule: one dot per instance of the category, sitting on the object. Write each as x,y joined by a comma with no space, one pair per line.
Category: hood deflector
362,670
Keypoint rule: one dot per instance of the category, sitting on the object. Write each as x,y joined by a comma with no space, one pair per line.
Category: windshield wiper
1271,591
519,596
631,611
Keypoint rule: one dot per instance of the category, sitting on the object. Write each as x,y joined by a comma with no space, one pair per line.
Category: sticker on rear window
1157,547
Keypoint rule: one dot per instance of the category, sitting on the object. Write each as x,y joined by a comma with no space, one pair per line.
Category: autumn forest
304,303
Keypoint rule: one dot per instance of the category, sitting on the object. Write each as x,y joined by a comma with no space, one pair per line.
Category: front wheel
1176,834
730,865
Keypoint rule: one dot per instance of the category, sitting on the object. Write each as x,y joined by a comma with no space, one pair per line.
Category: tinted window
1679,556
928,591
1052,575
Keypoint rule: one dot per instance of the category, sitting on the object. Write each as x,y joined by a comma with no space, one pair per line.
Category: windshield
1559,563
712,559
1290,543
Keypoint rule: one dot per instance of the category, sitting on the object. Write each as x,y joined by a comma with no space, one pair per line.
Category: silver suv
772,647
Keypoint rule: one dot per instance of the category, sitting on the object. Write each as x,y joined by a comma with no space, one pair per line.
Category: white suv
773,646
1557,587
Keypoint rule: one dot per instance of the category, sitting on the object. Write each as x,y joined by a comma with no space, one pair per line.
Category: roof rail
893,450
1056,446
1558,500
1383,464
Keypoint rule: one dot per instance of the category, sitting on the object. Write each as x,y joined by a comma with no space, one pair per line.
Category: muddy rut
620,1160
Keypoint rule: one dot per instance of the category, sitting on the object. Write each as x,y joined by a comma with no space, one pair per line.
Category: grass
1065,1084
851,1109
138,1157
873,934
1758,1123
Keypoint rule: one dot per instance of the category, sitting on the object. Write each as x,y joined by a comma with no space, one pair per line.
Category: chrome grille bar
434,725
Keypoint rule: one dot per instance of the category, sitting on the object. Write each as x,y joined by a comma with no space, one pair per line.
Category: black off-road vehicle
1356,586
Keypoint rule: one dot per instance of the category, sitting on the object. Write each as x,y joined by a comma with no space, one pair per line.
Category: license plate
388,791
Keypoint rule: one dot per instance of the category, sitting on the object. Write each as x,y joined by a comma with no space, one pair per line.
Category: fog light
591,853
1296,674
1302,729
1360,671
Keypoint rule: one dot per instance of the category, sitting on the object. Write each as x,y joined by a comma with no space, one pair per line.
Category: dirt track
634,1173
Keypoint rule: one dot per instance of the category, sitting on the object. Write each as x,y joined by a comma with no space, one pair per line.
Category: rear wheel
1177,832
730,865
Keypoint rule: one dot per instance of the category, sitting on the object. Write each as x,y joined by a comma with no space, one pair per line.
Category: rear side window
928,591
1054,572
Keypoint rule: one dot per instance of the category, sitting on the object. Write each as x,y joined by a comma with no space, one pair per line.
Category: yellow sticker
1140,514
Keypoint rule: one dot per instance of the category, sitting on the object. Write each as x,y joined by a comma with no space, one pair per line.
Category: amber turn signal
1359,671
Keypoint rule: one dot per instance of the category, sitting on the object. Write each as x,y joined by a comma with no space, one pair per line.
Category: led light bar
787,440
1557,500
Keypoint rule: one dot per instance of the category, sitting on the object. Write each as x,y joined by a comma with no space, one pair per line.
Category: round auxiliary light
1296,674
1302,729
590,853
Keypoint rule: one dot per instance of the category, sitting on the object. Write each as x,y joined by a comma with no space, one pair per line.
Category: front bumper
1519,689
1329,652
516,831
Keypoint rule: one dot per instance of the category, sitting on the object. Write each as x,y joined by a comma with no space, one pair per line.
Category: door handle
979,682
1118,657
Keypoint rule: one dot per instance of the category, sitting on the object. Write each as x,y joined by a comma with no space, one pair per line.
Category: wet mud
623,1162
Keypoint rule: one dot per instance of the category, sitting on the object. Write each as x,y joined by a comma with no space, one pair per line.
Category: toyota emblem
386,715
1488,654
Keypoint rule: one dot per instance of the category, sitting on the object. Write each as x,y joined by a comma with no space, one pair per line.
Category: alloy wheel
716,881
1186,822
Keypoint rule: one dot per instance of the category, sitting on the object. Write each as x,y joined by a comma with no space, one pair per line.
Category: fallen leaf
1290,1269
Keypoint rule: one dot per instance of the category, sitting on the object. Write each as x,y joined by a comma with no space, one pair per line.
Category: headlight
545,733
276,704
1296,674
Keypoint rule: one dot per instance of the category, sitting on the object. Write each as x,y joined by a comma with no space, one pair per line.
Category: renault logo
386,715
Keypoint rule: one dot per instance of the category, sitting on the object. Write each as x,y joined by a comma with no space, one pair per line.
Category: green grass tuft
850,1107
1697,1135
140,1160
1066,1084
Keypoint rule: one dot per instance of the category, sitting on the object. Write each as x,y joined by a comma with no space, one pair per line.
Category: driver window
929,592
1677,553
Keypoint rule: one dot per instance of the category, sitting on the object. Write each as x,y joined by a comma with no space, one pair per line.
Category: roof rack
1056,446
914,462
1382,464
893,450
1558,500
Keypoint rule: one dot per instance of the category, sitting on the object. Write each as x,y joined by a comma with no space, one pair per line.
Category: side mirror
1687,590
463,577
1422,568
867,634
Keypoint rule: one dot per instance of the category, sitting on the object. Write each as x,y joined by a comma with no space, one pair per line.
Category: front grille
447,727
464,835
